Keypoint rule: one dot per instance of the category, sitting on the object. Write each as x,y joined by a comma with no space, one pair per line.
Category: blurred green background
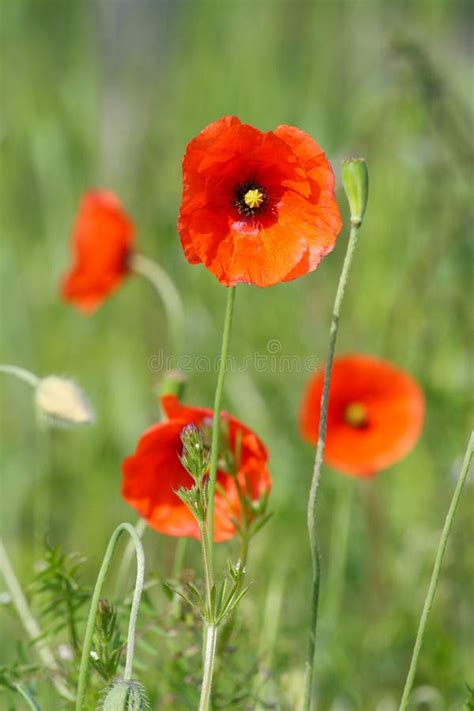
107,94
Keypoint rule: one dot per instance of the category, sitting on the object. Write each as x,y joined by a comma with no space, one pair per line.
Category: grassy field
107,94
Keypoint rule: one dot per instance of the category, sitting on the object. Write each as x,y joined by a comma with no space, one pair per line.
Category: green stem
209,659
166,290
206,557
216,422
30,624
207,527
229,624
86,649
179,555
341,288
21,374
436,573
140,528
25,693
309,669
338,552
244,550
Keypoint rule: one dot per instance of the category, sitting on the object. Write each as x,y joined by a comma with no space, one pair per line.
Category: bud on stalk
61,402
355,179
125,696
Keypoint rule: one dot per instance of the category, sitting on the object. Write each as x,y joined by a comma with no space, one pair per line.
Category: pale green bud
355,179
61,402
195,457
173,383
125,696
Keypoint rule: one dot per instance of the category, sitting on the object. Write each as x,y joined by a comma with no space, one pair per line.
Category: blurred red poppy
102,240
257,207
154,473
375,414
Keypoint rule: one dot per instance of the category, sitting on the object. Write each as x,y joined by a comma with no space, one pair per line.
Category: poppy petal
102,240
153,474
393,404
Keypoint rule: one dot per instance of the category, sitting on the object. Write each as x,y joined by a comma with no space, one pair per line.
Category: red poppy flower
154,473
101,243
257,207
375,414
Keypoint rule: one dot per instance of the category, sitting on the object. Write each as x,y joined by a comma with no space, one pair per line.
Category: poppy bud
62,402
194,500
355,179
125,696
105,608
195,457
173,383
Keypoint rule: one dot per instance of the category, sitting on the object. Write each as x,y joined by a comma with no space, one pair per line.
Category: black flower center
250,198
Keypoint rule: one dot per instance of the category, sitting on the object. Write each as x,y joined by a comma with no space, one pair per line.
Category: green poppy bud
62,403
173,383
125,696
355,179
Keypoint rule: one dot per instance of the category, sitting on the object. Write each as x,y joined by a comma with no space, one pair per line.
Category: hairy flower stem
140,528
244,550
21,374
86,649
208,644
311,519
30,624
206,558
341,516
167,292
207,526
229,624
208,649
436,573
30,700
216,422
209,659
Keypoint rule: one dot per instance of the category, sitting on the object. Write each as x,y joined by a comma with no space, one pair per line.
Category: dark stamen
250,198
